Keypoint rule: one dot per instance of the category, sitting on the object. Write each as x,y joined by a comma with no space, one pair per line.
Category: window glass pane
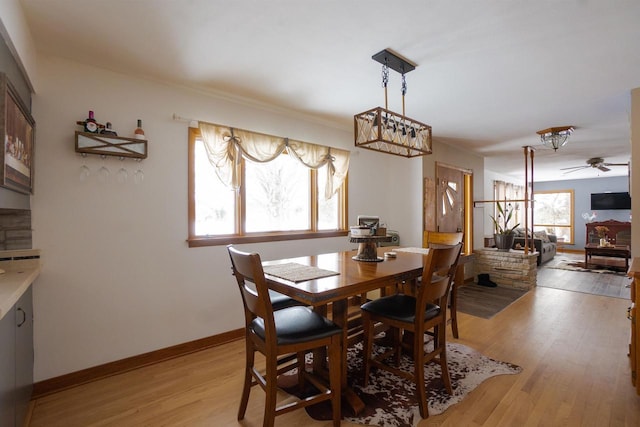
215,203
328,218
277,195
553,213
553,209
562,233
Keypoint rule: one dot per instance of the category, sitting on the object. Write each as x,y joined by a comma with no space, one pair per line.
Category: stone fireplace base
511,269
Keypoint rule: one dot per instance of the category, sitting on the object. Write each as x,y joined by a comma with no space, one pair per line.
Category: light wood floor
573,348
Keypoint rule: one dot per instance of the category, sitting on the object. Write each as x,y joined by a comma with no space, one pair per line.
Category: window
507,193
277,200
553,212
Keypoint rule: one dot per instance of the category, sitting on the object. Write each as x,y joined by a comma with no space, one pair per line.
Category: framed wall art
17,127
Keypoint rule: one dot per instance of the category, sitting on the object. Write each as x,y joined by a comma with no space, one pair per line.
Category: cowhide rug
390,400
579,266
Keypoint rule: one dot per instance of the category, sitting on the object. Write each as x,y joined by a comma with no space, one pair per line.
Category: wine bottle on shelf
89,124
107,130
138,133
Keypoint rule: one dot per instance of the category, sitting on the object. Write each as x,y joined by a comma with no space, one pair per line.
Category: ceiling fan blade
572,170
616,164
575,168
604,168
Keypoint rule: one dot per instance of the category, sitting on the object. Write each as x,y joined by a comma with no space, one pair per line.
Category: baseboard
73,379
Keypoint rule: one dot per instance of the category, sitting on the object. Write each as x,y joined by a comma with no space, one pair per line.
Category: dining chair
426,311
278,334
432,239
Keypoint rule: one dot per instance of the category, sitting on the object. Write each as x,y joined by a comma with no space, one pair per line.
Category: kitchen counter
21,268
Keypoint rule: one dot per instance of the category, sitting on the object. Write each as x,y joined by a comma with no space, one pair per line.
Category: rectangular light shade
383,130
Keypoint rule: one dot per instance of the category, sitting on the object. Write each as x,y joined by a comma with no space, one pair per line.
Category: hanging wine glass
122,174
103,172
85,172
138,176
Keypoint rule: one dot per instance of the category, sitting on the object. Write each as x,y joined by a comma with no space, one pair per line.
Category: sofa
545,244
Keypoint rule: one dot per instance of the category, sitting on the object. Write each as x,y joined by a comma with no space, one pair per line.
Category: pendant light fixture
380,129
555,137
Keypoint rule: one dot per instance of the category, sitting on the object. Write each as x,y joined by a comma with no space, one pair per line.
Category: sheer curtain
226,146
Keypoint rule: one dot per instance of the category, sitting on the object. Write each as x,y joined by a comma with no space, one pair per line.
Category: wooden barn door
449,198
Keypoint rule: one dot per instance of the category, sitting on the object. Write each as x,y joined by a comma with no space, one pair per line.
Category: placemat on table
297,272
424,251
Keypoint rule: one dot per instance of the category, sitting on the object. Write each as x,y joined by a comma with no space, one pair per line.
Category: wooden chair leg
436,335
367,346
301,370
418,371
397,343
335,361
271,389
446,378
457,282
442,357
246,388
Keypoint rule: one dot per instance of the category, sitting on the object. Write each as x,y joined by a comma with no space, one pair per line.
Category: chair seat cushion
280,301
399,307
296,325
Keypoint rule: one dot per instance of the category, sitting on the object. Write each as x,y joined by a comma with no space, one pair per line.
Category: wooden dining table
354,278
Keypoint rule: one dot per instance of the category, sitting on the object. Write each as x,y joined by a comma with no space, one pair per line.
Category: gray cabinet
7,369
16,362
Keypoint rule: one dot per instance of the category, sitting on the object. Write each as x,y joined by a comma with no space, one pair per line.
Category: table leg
340,318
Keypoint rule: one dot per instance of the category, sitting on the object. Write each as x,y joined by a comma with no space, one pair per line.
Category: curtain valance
226,146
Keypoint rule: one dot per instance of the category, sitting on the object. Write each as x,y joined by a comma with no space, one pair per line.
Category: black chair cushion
280,301
399,307
296,325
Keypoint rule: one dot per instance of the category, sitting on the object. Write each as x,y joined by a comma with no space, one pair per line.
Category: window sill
196,242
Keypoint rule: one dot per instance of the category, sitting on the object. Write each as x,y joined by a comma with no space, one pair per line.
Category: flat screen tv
606,201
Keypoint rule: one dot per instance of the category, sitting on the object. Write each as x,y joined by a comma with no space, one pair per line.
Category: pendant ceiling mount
394,61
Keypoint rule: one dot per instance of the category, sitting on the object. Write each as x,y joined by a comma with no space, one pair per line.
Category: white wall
118,278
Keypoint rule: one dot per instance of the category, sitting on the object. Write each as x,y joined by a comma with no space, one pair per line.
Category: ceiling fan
594,162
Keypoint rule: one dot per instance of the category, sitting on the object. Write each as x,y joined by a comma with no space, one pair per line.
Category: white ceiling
489,75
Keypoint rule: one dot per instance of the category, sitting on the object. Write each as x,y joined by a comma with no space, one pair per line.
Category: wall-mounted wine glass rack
109,145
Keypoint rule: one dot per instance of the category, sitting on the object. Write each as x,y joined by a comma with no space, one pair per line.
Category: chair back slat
439,238
247,268
437,275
